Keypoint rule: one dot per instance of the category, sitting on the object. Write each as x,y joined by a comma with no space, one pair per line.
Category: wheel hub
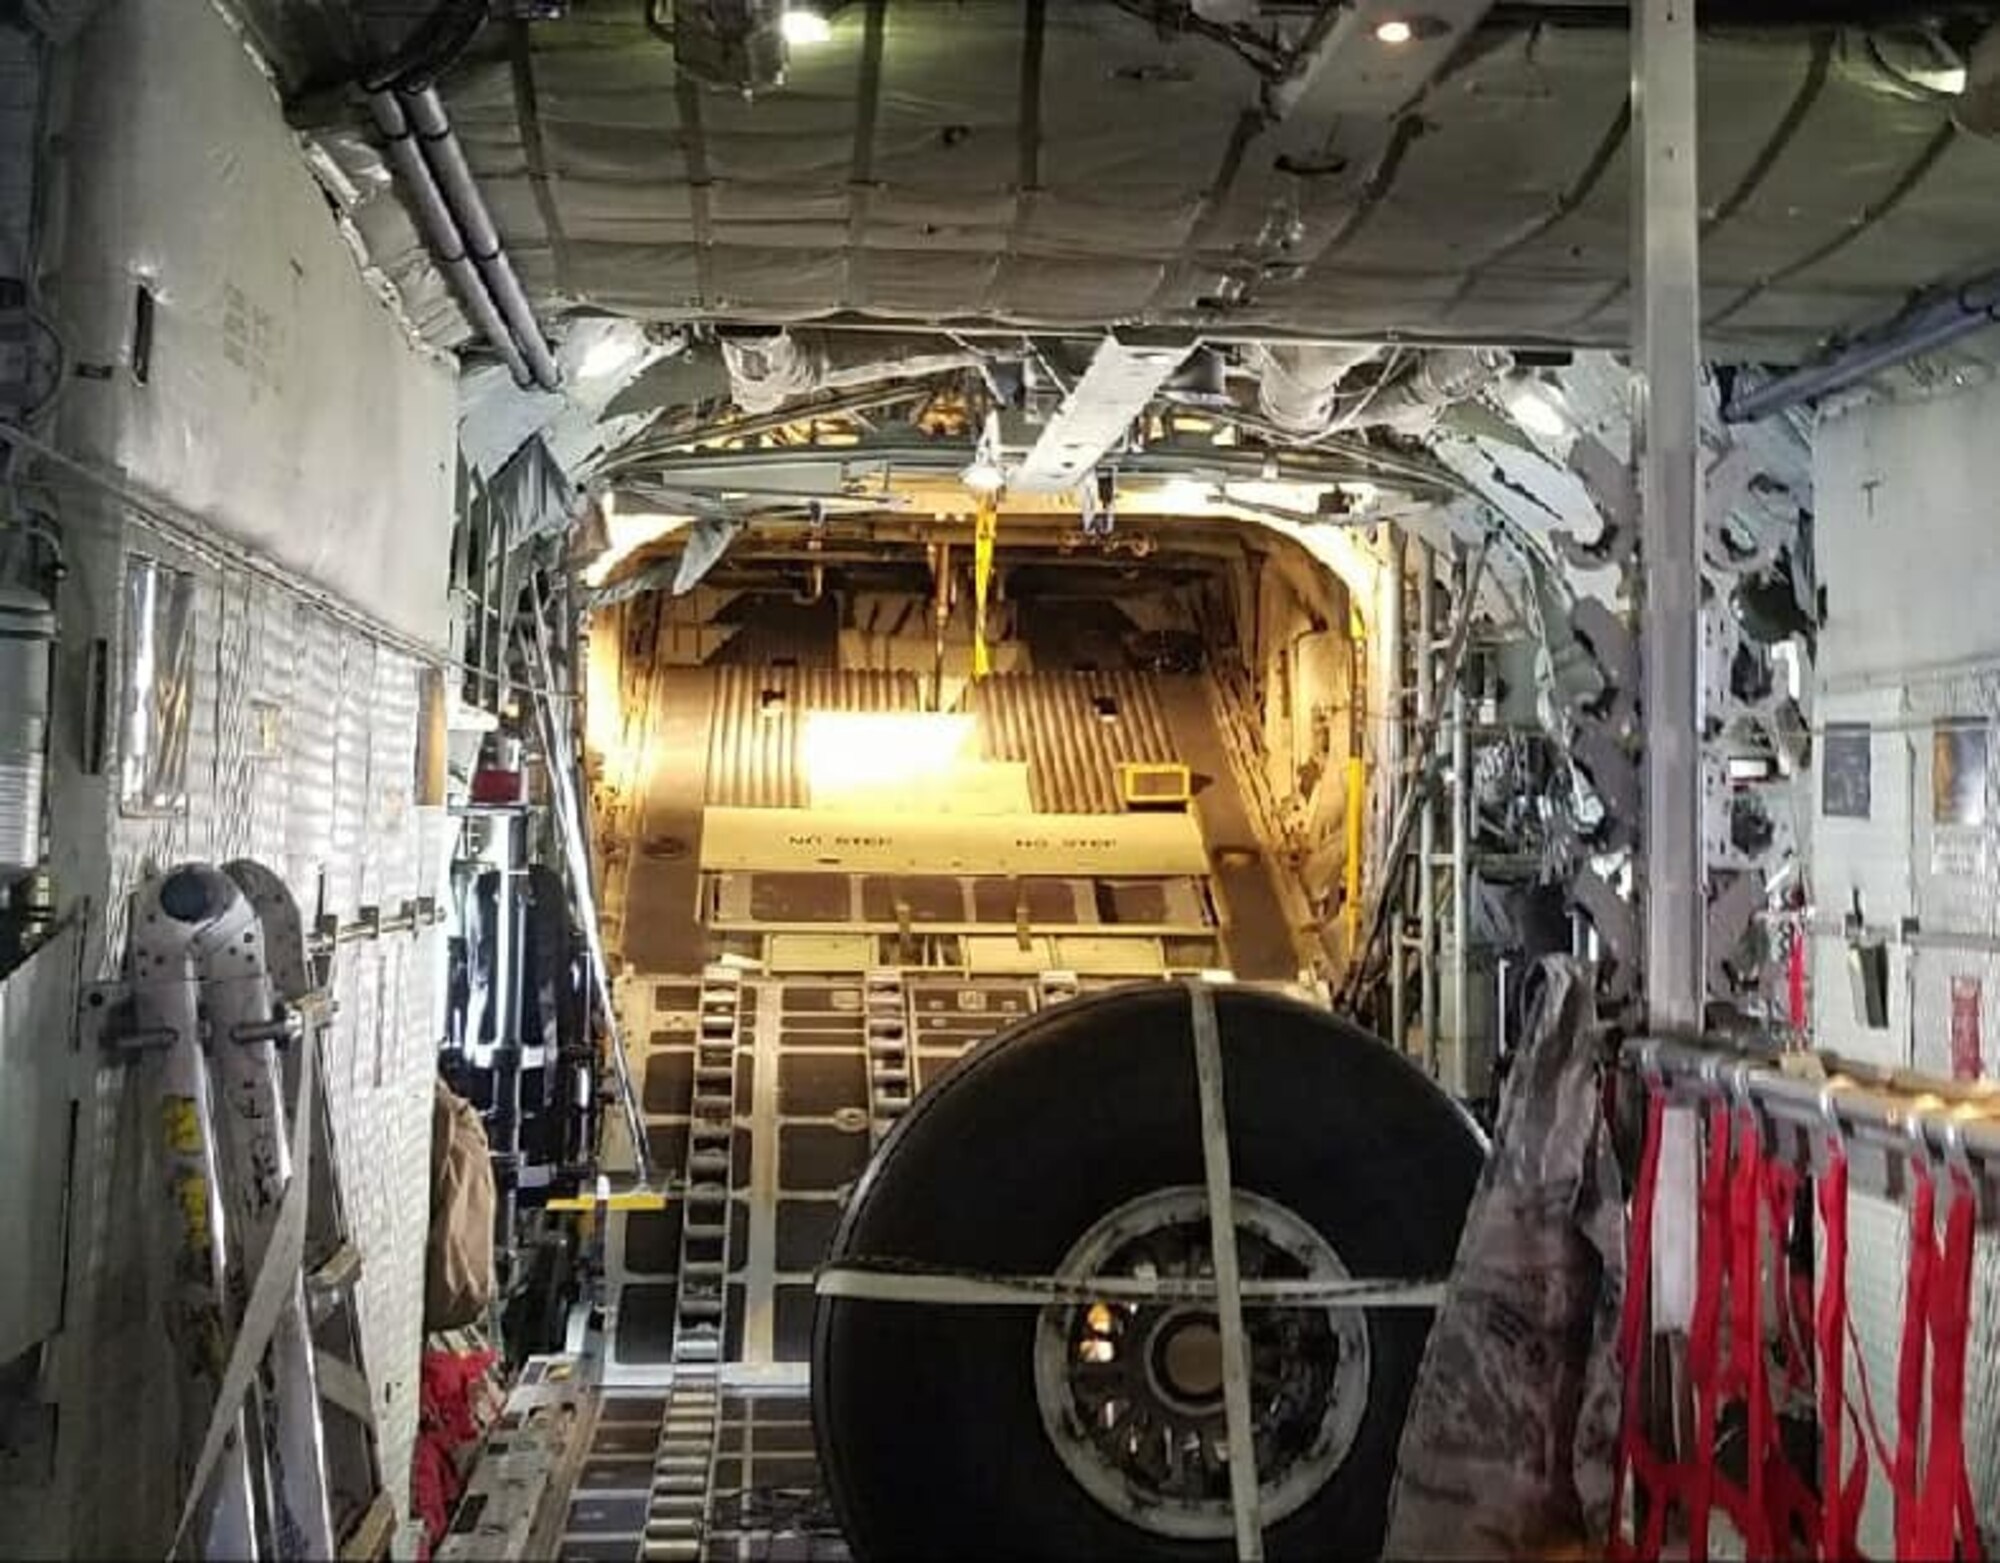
1131,1393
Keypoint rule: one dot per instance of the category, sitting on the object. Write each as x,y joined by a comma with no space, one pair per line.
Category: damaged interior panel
870,779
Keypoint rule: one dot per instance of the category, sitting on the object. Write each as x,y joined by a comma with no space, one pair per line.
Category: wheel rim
1130,1394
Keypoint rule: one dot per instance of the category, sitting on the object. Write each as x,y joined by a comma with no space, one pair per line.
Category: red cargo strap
1943,1524
1655,1482
1714,1239
1775,1509
1841,1495
1791,1501
1904,1473
1742,1371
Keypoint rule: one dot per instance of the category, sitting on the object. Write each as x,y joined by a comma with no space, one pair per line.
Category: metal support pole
1396,871
1458,1079
1666,444
1427,947
1237,1420
1666,428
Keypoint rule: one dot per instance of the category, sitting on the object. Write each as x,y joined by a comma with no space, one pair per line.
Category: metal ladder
223,1009
302,982
684,1466
891,1071
1054,987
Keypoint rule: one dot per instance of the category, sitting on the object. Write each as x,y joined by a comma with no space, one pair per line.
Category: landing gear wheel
1072,1142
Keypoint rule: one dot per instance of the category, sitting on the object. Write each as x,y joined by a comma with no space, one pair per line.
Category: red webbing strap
1791,1500
1713,1241
1795,1296
1776,1509
1636,1459
1904,1475
1841,1495
1742,1372
1944,1525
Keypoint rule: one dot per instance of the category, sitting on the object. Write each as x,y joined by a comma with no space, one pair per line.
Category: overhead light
804,26
1395,31
983,476
1536,412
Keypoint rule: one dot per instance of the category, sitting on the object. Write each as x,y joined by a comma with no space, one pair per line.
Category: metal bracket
106,1024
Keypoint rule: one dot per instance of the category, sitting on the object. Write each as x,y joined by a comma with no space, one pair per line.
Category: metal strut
684,1465
563,772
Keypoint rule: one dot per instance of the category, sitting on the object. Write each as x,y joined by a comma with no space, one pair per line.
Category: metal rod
1239,1428
1395,871
1459,1081
563,772
1667,427
1971,308
1945,1118
1426,664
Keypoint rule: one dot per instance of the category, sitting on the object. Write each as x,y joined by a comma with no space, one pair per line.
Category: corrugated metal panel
344,869
309,742
235,689
1073,751
754,759
274,657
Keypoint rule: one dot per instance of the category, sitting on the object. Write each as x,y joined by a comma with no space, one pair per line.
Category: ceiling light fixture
804,26
1395,32
984,474
1536,412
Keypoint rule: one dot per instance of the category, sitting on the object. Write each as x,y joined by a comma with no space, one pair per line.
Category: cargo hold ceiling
1054,165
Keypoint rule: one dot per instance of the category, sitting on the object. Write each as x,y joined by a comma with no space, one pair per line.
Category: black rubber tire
925,1417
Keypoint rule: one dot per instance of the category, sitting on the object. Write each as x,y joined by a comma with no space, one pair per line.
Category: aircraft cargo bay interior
894,779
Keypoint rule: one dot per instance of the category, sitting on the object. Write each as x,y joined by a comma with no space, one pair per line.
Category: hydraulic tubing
441,228
461,193
1972,308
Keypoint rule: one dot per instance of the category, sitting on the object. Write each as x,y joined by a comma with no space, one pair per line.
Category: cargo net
1786,1439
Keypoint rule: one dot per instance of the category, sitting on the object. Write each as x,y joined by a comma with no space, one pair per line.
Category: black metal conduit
428,159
